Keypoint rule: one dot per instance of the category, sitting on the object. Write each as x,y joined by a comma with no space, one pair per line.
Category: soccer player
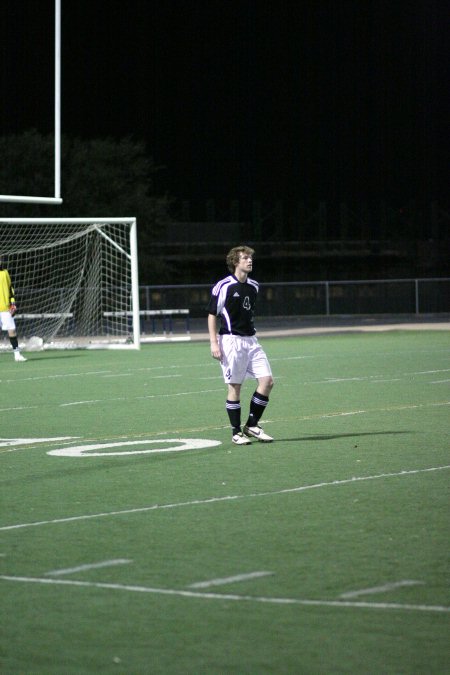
7,311
236,347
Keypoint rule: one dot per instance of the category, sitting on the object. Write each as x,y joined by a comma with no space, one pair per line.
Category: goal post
75,280
56,199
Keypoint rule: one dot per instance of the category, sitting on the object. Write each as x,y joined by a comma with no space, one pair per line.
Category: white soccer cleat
240,439
18,357
258,433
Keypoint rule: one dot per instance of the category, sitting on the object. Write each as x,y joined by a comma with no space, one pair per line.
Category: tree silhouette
100,177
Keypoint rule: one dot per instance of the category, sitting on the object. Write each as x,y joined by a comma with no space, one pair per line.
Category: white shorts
242,358
7,321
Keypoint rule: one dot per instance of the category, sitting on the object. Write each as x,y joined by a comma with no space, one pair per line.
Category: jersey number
246,304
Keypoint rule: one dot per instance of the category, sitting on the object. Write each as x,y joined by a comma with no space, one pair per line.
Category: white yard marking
212,377
20,407
8,442
163,377
105,373
373,378
300,418
214,500
116,398
153,377
180,393
118,375
344,414
231,597
64,405
428,372
331,380
439,381
102,373
140,398
181,444
54,377
229,580
209,391
396,377
91,566
381,589
293,358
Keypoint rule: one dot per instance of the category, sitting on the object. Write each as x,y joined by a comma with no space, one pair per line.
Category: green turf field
130,551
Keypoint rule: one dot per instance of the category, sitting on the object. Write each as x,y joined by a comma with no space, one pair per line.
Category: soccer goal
75,280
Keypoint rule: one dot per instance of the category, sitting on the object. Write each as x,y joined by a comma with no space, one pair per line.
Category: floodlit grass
324,552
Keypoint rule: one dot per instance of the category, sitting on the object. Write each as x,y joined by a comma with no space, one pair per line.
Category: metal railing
381,296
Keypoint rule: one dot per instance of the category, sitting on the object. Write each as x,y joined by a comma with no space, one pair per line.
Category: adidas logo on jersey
236,295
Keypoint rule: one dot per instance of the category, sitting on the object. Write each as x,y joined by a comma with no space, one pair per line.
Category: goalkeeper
7,310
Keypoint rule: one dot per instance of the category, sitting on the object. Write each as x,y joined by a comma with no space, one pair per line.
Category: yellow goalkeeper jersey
6,291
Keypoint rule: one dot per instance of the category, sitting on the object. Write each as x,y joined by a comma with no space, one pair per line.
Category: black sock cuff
232,404
260,397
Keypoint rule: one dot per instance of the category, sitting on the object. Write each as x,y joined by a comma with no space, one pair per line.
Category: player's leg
260,369
8,324
15,345
233,406
234,366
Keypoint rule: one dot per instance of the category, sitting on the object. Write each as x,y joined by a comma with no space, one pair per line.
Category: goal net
75,280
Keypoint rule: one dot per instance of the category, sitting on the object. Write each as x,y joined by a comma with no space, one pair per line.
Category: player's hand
12,308
215,351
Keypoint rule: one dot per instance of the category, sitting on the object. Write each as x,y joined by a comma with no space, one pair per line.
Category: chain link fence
322,298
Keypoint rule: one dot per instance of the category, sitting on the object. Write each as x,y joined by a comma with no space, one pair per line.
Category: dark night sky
340,100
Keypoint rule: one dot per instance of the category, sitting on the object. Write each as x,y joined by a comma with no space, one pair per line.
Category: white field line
293,358
213,500
117,398
111,373
332,380
381,589
20,407
132,374
230,580
300,418
231,597
49,443
118,375
140,398
7,442
101,373
61,376
95,400
208,391
374,378
220,389
179,393
211,377
428,372
439,381
164,377
91,566
345,414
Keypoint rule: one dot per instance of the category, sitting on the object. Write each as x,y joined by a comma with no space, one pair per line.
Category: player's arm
212,330
12,301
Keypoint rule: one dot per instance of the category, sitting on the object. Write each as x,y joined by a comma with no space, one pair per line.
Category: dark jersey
234,301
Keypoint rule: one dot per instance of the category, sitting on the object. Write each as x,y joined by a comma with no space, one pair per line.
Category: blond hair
234,255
